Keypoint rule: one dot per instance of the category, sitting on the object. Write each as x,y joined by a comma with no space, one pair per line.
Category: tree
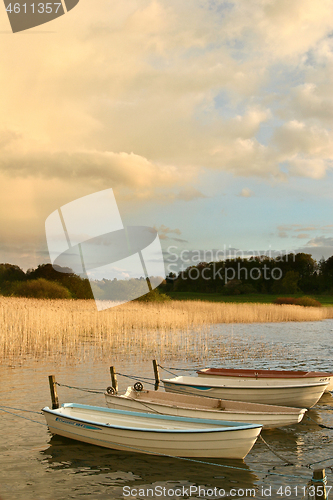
41,289
289,284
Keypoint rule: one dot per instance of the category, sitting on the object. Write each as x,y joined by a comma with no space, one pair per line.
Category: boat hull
200,407
291,377
300,396
160,434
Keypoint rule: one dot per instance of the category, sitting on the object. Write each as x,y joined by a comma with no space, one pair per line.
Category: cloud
321,241
319,247
164,233
189,194
143,78
246,193
296,137
311,101
117,168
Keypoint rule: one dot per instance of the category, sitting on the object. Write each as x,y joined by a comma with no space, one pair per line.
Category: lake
36,466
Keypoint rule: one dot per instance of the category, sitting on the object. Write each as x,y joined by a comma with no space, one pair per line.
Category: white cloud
311,101
143,77
321,241
313,168
246,193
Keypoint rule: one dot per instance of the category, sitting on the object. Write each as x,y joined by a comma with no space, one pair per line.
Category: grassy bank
260,298
37,327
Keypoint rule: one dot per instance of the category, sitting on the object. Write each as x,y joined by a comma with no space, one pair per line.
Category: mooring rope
319,461
84,389
20,409
137,378
180,369
165,369
275,453
25,418
145,405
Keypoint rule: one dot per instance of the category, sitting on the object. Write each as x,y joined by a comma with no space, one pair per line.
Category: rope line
322,480
319,461
165,369
137,378
179,369
84,389
20,409
146,406
21,416
275,453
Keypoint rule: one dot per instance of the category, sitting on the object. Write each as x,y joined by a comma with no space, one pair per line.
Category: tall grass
72,328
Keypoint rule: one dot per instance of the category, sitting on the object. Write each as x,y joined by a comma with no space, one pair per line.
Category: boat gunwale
231,426
261,373
233,387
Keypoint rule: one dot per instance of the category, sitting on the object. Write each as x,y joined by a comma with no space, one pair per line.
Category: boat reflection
134,470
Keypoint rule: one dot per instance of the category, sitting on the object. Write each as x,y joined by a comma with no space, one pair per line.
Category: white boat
152,434
254,391
292,377
183,405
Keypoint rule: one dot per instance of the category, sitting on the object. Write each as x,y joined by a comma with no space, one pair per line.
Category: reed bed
40,328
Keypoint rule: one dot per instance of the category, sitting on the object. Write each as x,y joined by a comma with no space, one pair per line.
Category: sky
211,121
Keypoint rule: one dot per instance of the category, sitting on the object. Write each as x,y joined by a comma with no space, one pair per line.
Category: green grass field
325,300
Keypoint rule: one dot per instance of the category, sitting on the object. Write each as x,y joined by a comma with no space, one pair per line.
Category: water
36,466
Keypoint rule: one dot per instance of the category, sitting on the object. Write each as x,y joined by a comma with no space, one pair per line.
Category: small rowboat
253,391
152,434
284,376
182,405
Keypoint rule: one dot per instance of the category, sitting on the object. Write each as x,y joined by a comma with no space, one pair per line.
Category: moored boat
169,403
284,376
152,434
253,391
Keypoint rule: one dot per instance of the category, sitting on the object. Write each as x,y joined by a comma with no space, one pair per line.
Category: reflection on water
34,466
116,469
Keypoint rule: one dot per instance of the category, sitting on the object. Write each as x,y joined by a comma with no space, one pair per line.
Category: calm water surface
34,465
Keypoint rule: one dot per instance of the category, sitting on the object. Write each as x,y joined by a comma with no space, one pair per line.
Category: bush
154,296
286,300
41,289
308,302
302,301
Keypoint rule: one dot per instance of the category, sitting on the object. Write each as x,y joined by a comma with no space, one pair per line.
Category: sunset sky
211,120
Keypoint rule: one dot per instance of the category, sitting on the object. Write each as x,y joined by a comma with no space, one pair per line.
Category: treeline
287,274
43,282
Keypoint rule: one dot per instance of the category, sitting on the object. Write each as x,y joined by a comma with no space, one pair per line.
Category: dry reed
74,328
